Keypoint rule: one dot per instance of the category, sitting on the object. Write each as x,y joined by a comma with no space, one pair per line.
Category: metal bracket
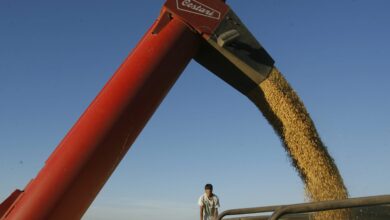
229,50
234,55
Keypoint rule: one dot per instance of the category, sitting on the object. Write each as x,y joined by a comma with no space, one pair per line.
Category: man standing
209,204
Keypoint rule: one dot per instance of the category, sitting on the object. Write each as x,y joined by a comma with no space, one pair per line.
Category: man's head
208,188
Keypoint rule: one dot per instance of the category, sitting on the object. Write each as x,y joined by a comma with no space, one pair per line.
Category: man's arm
200,203
216,208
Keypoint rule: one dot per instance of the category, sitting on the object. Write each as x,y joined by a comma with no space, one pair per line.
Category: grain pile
288,116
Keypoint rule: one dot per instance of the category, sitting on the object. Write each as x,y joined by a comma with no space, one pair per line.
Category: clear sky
55,56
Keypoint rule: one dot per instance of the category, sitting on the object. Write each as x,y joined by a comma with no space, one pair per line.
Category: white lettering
196,7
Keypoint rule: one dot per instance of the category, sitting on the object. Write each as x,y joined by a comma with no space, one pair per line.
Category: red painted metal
7,203
202,15
86,157
89,153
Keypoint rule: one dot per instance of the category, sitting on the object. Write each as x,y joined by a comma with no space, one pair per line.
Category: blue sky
55,56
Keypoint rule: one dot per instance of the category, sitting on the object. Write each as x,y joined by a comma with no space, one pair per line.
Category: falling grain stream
283,109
